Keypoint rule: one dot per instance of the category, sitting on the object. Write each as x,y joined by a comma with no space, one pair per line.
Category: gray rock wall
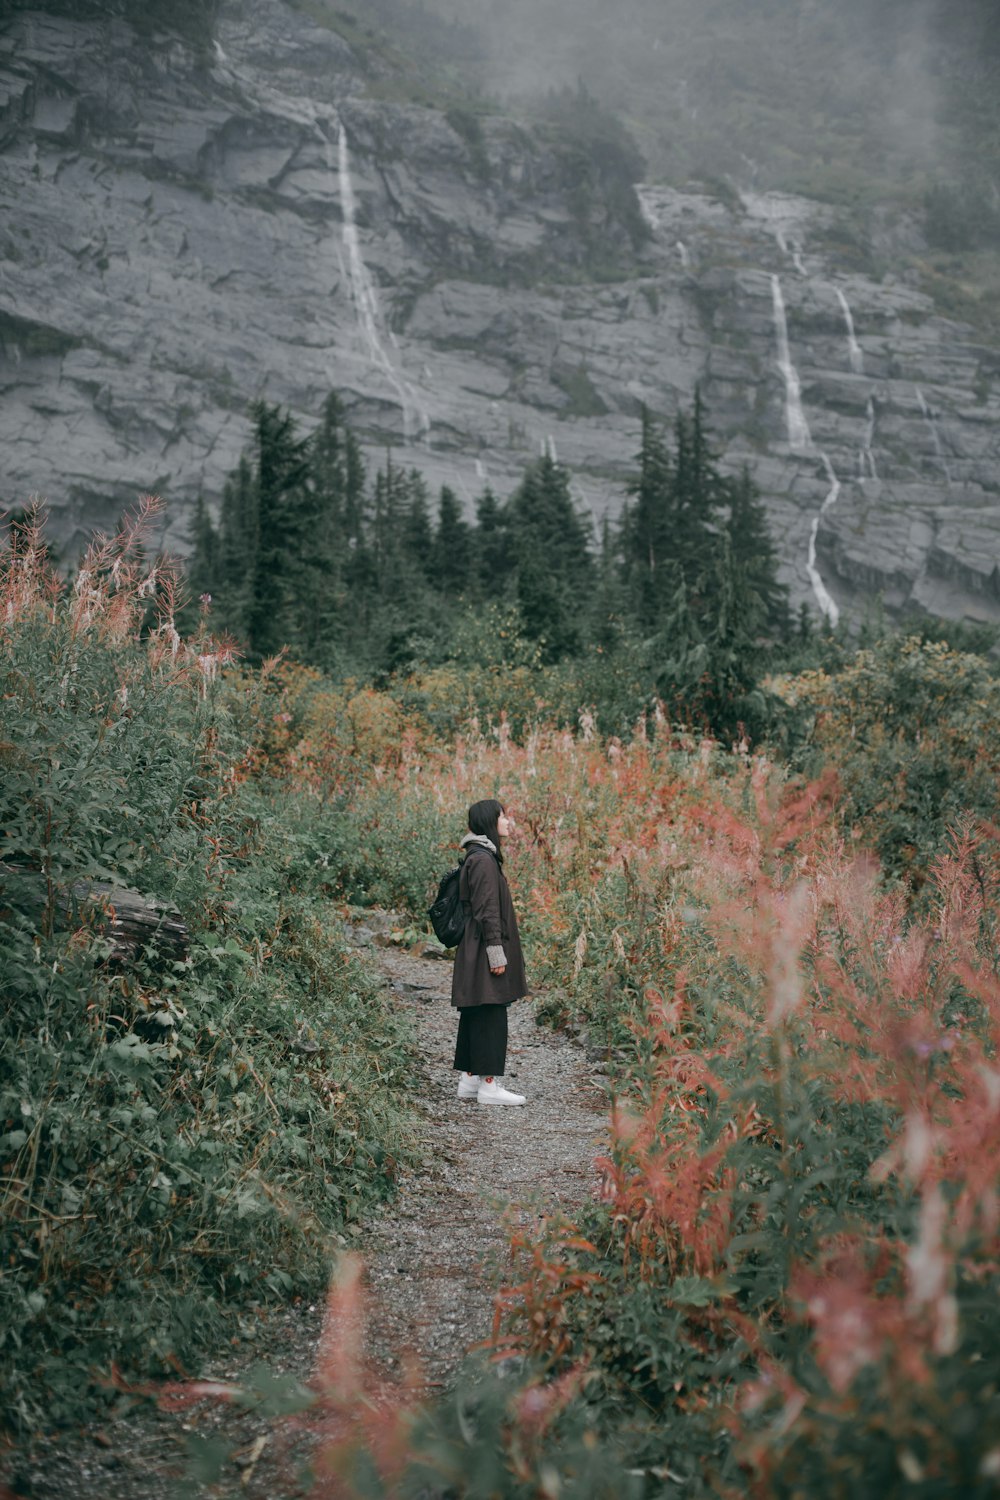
172,246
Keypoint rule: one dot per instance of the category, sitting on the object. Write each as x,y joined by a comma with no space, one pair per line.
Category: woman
489,968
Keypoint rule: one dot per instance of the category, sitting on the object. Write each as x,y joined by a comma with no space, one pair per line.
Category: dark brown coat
489,919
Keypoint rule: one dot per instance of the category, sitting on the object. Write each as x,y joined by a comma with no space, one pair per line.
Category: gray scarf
481,840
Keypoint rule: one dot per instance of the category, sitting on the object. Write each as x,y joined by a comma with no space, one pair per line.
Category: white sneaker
492,1093
469,1085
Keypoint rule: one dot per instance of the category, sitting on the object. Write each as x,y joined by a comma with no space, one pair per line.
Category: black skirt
482,1040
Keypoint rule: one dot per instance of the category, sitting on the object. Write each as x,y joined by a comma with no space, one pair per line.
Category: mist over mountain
773,92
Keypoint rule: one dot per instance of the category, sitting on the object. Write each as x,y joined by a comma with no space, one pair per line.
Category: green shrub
912,727
180,1133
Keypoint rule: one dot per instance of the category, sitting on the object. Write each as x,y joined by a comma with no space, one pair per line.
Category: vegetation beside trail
183,1140
789,1284
788,1281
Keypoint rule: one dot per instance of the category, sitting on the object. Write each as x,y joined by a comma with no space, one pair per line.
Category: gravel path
433,1260
436,1255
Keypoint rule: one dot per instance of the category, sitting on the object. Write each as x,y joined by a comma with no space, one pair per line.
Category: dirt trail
433,1256
433,1259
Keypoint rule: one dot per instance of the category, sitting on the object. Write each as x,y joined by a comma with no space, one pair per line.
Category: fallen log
133,922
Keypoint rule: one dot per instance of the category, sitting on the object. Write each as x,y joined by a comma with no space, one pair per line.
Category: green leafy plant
182,1132
910,725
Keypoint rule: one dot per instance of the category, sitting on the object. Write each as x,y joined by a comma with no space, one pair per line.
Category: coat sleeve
484,897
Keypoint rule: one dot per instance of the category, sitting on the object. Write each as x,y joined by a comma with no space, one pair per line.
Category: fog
772,92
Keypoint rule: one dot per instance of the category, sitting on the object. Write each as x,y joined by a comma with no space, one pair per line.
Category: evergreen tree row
362,574
698,571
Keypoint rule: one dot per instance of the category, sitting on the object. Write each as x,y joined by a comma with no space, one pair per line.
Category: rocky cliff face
178,236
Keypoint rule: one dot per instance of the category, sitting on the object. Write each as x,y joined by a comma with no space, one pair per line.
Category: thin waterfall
416,421
868,447
550,449
799,437
854,350
778,220
800,441
645,208
935,435
823,597
480,469
682,251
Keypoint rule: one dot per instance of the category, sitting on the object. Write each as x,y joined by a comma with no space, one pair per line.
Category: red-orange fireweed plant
798,1239
363,1424
788,1282
803,1139
386,1439
354,1433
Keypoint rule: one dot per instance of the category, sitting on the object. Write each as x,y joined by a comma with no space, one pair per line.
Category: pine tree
385,521
729,699
754,555
805,624
554,566
203,563
451,571
700,572
684,663
393,596
490,542
650,566
238,530
698,493
418,534
355,491
328,465
670,533
359,562
733,637
609,595
282,475
319,564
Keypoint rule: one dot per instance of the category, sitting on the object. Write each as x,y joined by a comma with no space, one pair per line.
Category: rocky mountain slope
180,234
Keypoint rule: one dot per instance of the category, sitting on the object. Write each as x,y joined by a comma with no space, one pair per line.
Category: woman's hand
500,969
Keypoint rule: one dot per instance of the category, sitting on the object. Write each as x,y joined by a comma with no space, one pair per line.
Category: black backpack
447,913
